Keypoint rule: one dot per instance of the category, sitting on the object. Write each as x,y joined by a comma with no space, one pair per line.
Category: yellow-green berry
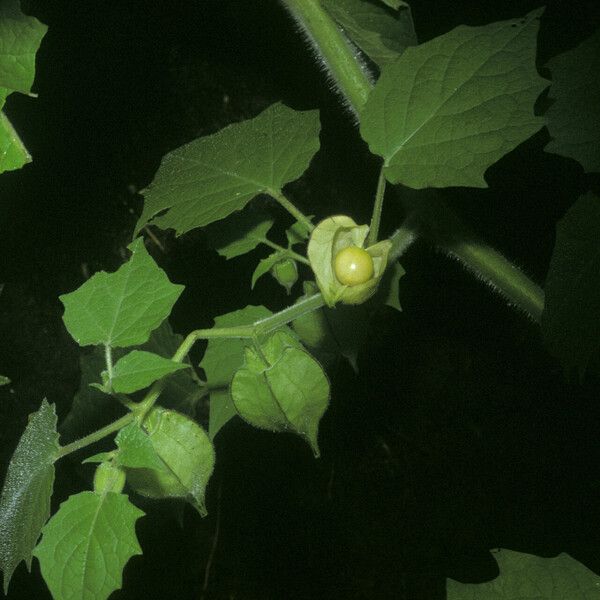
353,265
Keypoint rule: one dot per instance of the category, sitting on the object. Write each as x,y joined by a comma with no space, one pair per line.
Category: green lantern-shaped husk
345,270
286,273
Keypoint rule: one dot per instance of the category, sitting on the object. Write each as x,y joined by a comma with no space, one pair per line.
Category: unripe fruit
286,273
353,265
108,478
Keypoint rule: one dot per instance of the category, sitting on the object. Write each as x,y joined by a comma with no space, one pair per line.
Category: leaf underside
25,499
574,117
529,577
571,317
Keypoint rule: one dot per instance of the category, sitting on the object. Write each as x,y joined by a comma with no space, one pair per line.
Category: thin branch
377,209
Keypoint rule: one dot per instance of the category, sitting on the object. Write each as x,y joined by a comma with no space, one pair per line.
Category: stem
108,361
404,237
442,227
289,314
213,546
291,208
251,332
96,435
334,50
501,275
288,251
377,208
151,235
259,351
437,222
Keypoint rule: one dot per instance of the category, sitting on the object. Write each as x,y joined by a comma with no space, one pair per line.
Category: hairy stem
97,435
436,221
501,275
333,49
404,237
250,332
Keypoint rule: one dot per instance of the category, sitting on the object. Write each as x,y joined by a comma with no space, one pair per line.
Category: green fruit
345,270
286,273
353,266
109,478
187,452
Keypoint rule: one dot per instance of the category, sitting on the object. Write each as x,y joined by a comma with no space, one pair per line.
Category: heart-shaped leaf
86,544
138,369
212,177
121,309
446,110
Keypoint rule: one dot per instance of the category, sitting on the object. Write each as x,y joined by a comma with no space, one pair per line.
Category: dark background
460,433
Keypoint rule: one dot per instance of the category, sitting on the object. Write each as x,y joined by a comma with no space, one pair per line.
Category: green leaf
333,332
186,450
289,394
121,309
90,406
350,325
389,288
314,329
138,369
221,411
265,265
446,110
529,577
395,4
86,545
182,389
13,154
212,177
91,409
574,119
20,38
239,233
25,499
4,380
136,450
98,458
378,32
571,317
222,358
